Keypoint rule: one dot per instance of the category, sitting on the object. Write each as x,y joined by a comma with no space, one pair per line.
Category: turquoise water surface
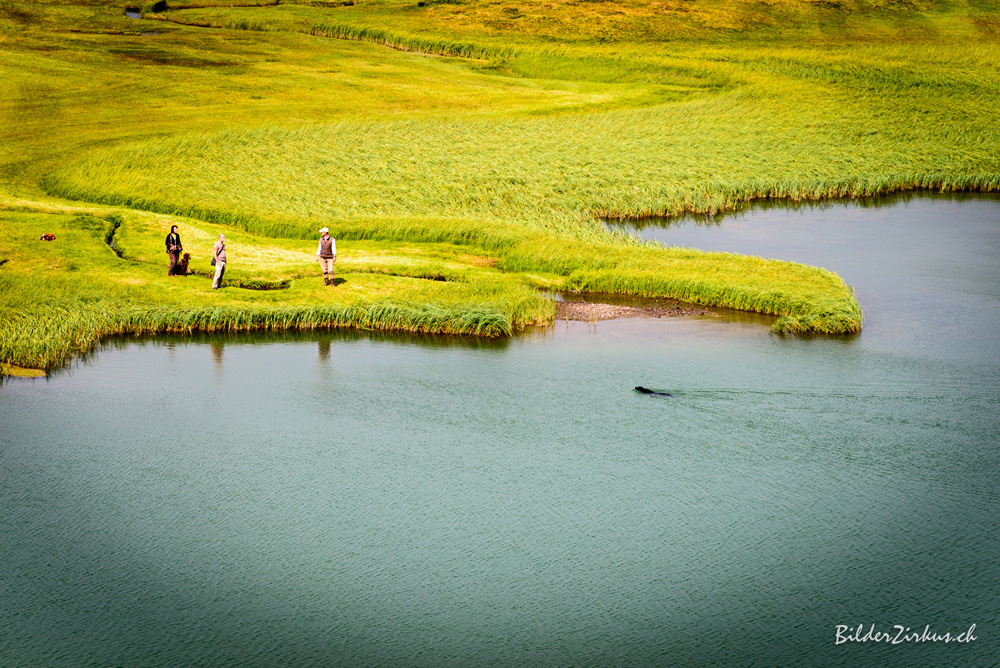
352,499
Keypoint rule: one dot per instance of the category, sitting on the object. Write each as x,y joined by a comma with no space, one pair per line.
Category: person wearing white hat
327,255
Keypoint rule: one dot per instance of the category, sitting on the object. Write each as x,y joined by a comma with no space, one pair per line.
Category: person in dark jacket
174,249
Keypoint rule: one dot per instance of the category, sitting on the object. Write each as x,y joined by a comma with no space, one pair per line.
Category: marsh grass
560,173
53,321
458,187
471,23
59,299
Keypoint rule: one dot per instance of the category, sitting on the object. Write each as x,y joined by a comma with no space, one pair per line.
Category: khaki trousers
220,270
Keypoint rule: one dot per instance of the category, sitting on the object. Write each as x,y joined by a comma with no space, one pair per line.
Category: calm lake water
345,499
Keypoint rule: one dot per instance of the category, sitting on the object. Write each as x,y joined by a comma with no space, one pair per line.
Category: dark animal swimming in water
643,390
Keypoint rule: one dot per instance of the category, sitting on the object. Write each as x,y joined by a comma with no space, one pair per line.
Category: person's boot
326,281
331,280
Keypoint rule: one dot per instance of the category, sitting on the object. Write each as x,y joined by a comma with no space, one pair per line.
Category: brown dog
182,266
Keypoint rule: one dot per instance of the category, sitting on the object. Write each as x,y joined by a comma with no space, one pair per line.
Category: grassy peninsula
463,153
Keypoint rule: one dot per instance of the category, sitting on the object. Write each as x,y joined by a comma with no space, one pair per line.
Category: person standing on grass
219,260
174,249
327,254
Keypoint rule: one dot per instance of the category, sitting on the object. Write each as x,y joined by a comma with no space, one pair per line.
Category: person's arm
333,247
319,248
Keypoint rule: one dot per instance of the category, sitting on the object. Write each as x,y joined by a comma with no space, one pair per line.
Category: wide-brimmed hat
324,230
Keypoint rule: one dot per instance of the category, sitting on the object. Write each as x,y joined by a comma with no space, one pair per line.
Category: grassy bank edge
474,320
89,329
47,336
67,337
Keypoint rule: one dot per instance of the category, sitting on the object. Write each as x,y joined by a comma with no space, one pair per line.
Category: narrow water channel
349,499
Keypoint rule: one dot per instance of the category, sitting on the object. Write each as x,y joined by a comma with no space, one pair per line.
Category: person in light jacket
174,249
327,255
220,261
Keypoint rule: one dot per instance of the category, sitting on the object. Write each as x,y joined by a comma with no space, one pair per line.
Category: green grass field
463,153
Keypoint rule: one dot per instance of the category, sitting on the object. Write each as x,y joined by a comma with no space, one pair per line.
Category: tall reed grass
560,173
46,321
704,108
418,44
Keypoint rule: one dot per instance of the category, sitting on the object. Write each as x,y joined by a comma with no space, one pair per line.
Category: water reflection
218,347
325,344
218,341
635,226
